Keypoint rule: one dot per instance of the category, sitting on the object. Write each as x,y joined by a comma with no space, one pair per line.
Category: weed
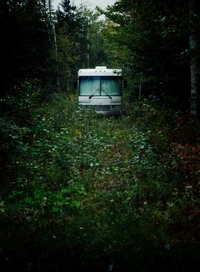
107,189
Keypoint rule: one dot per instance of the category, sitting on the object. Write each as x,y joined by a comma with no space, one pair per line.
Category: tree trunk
194,65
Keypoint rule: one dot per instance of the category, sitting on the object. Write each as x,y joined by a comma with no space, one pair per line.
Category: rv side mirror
75,84
125,84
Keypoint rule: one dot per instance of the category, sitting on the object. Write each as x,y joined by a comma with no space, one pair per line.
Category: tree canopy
148,39
24,42
152,41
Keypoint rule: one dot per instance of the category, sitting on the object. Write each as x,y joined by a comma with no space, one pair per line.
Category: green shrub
106,190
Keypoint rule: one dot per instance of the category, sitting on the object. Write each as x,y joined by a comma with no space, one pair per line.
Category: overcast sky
89,3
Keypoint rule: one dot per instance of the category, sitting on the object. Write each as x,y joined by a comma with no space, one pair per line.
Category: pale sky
89,3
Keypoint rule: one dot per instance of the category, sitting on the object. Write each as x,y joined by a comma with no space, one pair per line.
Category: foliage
150,40
67,57
25,52
79,42
103,191
85,191
96,51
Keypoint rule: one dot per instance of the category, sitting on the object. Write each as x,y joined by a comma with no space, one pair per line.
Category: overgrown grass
112,194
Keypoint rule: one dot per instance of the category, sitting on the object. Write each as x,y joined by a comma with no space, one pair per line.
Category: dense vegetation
83,192
106,192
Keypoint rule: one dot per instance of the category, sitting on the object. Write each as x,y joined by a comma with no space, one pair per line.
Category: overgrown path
110,193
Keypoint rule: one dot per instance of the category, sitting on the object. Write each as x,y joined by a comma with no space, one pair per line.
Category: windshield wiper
102,91
93,94
107,94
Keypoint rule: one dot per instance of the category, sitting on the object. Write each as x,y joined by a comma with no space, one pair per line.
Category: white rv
100,89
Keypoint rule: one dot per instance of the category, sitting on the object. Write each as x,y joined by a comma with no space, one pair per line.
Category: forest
83,192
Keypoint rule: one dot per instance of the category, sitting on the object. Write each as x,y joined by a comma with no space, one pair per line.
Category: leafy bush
106,191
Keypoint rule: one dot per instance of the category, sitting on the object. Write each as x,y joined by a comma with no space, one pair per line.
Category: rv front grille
101,107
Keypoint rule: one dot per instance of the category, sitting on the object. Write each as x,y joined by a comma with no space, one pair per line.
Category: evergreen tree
152,43
194,37
93,46
24,42
68,28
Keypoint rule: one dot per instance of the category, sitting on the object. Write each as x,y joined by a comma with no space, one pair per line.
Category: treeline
157,42
41,51
40,43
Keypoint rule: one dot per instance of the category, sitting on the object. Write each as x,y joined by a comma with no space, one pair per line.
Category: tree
194,12
94,48
79,42
25,51
152,40
68,53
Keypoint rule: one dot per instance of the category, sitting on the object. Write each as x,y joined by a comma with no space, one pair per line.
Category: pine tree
194,12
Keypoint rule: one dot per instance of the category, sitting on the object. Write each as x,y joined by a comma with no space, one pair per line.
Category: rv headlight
84,106
116,106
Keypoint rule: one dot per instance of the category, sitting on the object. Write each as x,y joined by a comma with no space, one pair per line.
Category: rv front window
99,86
110,86
89,85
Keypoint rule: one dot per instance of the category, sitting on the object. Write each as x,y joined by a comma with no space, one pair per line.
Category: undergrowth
85,192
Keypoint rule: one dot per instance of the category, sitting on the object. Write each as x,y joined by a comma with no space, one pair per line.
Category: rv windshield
99,86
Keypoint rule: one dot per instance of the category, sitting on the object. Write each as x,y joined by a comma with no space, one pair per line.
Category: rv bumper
103,109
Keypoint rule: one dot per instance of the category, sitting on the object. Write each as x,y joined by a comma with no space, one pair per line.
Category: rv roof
100,67
100,71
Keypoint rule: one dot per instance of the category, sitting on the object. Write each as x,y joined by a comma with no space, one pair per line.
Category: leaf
55,209
28,199
38,195
75,204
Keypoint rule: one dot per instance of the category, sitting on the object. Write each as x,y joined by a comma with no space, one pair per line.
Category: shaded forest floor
81,192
